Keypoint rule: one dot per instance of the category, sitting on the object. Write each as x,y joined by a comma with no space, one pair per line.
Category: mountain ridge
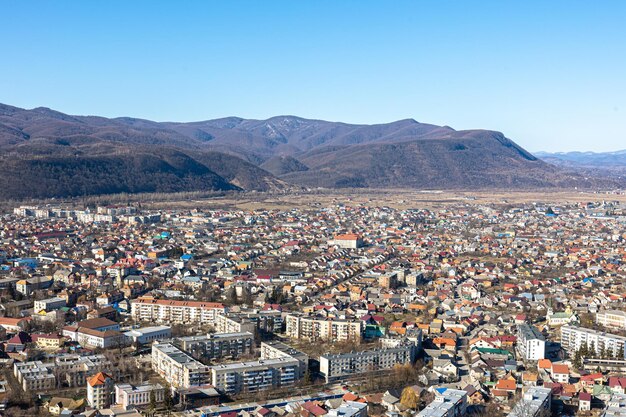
234,153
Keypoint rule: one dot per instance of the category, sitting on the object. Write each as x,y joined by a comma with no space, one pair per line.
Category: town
340,310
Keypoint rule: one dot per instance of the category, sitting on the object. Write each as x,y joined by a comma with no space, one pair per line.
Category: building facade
175,312
531,344
327,329
574,337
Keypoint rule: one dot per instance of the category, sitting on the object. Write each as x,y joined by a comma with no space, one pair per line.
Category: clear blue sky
551,75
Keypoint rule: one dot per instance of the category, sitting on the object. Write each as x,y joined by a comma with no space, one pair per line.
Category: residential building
232,323
177,367
255,375
100,391
448,402
152,310
616,406
531,344
217,345
274,349
573,338
321,328
336,367
49,304
535,402
615,319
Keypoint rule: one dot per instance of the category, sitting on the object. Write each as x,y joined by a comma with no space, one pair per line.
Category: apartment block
573,337
531,344
615,319
49,304
536,402
447,403
233,323
327,329
217,345
71,370
152,310
335,367
255,375
177,367
275,350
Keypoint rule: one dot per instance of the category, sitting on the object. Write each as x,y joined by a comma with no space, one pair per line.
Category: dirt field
399,199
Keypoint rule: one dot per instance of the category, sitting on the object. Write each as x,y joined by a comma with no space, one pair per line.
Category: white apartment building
615,319
327,329
100,391
255,375
128,396
343,365
531,344
573,337
177,367
149,309
447,403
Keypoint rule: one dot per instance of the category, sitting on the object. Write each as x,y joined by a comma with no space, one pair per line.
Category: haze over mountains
46,153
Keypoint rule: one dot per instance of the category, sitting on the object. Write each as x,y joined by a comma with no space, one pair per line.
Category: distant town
343,310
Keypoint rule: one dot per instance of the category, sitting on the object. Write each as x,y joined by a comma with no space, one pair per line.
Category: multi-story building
177,367
321,328
266,320
217,345
129,396
147,335
71,370
175,312
536,402
275,349
531,344
347,241
573,338
616,406
447,403
100,391
49,304
233,323
335,367
255,376
34,376
615,319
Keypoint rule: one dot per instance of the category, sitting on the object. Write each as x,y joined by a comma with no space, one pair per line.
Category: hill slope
46,153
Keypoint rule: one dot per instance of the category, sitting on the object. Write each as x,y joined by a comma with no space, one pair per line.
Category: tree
167,399
409,398
152,404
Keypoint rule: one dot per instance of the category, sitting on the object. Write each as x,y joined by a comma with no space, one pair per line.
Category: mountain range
46,153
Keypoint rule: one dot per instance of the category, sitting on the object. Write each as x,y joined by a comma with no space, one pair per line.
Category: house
584,401
58,405
560,373
445,368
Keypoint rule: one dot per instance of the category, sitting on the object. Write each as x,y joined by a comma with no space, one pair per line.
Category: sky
551,75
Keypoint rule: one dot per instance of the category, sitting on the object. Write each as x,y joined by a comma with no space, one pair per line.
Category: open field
312,199
398,199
